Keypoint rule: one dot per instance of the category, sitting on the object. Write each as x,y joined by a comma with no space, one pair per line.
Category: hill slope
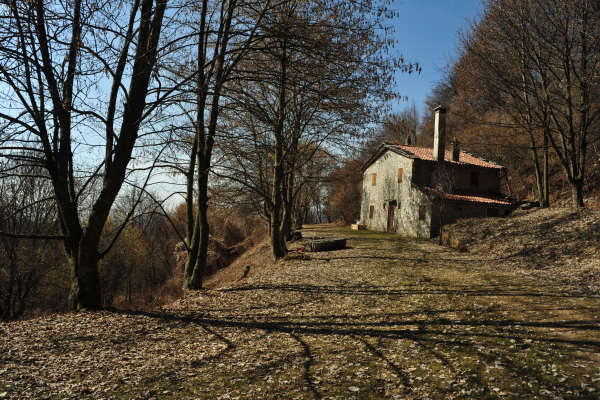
385,318
557,244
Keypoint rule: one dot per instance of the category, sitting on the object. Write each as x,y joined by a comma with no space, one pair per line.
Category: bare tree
216,36
314,83
56,58
26,205
547,79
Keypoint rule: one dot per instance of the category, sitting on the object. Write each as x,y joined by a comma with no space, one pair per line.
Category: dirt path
385,318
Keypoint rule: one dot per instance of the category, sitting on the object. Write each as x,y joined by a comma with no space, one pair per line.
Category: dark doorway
391,215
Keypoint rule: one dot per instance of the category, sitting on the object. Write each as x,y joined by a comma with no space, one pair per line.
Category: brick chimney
439,134
455,150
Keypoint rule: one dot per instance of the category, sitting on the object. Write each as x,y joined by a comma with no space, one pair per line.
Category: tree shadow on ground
545,242
362,290
432,332
376,328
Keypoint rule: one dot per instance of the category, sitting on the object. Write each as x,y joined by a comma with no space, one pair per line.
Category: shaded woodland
523,91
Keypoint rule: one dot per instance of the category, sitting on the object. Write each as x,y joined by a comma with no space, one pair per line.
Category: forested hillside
523,91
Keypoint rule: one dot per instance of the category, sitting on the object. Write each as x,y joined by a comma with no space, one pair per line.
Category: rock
527,205
326,244
354,389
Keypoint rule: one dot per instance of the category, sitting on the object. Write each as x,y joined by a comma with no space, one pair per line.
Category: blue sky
427,32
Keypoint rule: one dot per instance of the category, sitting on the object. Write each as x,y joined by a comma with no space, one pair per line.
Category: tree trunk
286,226
441,233
577,193
277,242
545,176
196,265
85,280
539,180
192,255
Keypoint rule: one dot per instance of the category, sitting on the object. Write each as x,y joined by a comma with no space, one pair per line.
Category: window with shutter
399,174
373,179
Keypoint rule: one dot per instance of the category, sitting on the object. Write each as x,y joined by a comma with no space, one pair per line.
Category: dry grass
252,260
557,245
230,258
387,318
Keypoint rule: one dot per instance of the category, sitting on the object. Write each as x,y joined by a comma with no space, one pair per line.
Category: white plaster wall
410,224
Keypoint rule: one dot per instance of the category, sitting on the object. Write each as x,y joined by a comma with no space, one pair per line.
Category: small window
371,211
373,179
399,174
422,212
474,178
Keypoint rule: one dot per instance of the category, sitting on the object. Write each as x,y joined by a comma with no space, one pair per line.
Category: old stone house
414,190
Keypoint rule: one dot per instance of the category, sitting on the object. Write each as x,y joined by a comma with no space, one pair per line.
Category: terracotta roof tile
481,198
477,199
426,153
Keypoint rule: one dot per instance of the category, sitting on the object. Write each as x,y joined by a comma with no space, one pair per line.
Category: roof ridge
426,154
448,151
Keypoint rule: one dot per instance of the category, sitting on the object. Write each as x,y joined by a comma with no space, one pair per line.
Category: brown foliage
232,234
535,96
139,264
344,192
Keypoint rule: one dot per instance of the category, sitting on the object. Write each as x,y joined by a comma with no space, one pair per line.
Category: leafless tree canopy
106,104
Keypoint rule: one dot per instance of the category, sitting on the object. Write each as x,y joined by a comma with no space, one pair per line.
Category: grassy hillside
557,245
385,318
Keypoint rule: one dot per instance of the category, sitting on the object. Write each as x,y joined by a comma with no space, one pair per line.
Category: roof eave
467,165
480,203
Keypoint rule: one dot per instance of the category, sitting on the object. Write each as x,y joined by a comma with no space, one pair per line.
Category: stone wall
387,189
455,210
409,198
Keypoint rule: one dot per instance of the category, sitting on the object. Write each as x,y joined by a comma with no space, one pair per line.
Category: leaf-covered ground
552,244
386,318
